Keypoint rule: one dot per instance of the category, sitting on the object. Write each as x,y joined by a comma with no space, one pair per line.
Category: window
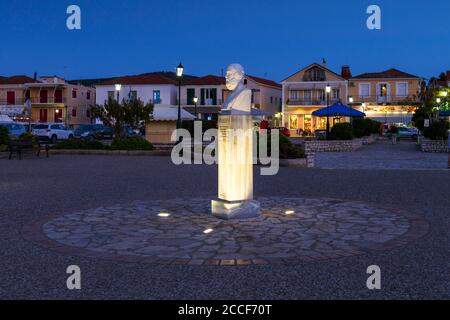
321,95
190,94
156,96
88,95
314,74
271,100
111,95
402,89
74,93
364,90
11,98
132,95
294,95
43,96
58,96
293,121
74,112
336,94
88,113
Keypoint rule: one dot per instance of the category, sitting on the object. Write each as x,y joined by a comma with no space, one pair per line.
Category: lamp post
180,70
328,91
350,100
195,99
118,88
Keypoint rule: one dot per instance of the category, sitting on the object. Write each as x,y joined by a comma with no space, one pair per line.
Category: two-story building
305,92
211,92
52,100
390,96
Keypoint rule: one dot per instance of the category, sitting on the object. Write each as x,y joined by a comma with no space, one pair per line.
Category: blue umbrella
444,113
338,110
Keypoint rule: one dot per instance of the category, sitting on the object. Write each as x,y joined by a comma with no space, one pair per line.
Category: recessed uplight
164,215
289,212
207,231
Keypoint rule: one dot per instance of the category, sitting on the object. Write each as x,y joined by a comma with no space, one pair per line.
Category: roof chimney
346,73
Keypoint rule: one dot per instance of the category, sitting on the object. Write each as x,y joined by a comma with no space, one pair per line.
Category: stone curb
161,153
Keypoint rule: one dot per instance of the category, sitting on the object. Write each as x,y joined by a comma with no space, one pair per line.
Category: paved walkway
289,231
383,155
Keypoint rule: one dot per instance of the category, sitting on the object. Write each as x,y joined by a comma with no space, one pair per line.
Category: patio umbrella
338,110
444,113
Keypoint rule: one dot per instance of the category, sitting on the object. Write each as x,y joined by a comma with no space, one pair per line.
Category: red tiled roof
139,79
388,74
17,80
207,80
265,81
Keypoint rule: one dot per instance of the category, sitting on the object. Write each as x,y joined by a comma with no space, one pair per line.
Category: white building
154,88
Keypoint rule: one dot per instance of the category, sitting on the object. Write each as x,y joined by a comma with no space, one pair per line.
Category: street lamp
118,88
195,99
438,100
180,70
328,91
350,99
444,94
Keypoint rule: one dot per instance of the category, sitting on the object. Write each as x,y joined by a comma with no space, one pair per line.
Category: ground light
164,215
289,212
208,231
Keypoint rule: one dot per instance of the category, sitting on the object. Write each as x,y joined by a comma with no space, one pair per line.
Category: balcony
207,102
385,99
34,100
310,102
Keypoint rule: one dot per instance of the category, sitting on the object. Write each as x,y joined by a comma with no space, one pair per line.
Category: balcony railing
207,102
382,99
311,102
34,100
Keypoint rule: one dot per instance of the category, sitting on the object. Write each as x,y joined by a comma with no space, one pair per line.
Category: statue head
235,76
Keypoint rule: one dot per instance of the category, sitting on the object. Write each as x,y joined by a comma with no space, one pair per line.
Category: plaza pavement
31,189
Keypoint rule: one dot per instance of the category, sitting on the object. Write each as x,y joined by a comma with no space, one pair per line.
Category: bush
29,137
288,150
365,127
132,143
4,138
342,131
437,131
79,145
206,125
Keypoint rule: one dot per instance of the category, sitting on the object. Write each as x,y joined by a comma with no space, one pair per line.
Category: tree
128,113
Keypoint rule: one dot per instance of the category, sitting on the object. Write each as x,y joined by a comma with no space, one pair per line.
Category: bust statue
240,99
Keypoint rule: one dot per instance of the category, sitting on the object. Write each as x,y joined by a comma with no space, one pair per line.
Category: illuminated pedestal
235,154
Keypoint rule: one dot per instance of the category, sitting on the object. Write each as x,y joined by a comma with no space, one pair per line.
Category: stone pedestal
235,155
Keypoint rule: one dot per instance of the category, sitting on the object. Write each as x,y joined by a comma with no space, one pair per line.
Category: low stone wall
438,146
110,152
333,146
307,162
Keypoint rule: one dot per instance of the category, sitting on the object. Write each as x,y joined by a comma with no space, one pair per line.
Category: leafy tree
128,113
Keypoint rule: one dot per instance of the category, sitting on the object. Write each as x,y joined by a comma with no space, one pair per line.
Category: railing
311,102
382,99
207,102
34,100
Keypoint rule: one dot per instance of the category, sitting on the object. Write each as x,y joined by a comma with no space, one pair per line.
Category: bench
19,146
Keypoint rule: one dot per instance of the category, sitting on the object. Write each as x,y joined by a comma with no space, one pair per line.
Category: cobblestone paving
383,155
317,229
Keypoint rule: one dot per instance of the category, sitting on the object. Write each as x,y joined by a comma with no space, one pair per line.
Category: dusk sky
271,39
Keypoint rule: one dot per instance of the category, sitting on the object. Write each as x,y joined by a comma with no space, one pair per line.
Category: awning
338,110
5,118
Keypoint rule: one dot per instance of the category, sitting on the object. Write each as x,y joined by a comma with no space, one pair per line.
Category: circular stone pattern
182,231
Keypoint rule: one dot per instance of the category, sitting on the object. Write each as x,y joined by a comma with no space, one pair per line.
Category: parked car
54,132
404,133
15,129
93,132
284,131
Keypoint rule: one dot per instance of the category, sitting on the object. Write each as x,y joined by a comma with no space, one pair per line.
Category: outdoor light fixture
289,212
438,100
208,231
328,88
180,70
444,93
164,215
195,99
118,88
350,99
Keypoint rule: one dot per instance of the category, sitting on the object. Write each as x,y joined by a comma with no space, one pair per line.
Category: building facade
305,92
211,92
389,96
52,100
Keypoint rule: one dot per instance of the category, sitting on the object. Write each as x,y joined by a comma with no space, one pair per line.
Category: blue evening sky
271,39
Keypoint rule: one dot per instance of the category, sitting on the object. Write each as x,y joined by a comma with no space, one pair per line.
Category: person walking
394,134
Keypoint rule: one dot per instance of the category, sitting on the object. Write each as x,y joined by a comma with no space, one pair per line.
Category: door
11,98
190,93
213,96
43,115
43,96
58,115
58,96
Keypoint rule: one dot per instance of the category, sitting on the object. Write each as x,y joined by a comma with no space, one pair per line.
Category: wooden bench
19,146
